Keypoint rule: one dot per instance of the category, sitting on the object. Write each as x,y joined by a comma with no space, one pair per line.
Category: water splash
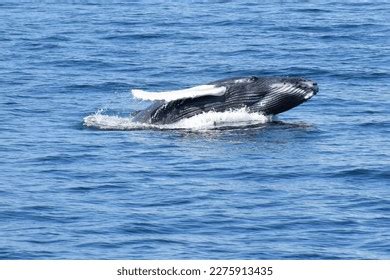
205,121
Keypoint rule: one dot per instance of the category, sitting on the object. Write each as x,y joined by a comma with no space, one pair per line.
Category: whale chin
309,95
284,94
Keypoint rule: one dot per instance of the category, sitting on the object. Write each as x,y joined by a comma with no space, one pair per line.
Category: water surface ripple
312,184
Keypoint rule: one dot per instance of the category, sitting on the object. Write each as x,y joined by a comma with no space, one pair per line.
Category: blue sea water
312,184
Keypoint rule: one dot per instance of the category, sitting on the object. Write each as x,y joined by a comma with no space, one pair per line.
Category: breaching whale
266,95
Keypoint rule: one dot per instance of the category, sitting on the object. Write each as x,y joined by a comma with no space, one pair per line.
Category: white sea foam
231,118
108,122
204,121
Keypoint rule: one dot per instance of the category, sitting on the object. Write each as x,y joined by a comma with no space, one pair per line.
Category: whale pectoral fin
198,91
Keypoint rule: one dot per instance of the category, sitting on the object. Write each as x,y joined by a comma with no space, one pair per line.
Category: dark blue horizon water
315,184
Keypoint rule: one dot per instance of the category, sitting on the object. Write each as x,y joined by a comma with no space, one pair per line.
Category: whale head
285,93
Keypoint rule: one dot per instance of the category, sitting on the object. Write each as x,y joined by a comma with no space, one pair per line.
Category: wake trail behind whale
205,121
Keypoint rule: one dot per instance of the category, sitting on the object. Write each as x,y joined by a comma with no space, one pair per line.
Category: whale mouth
311,92
310,87
305,88
285,94
298,87
309,95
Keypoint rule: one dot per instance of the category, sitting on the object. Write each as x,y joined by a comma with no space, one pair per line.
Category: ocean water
312,183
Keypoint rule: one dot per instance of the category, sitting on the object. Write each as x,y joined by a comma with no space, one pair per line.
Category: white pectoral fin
193,92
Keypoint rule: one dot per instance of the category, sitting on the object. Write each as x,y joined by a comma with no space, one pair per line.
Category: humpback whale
266,95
